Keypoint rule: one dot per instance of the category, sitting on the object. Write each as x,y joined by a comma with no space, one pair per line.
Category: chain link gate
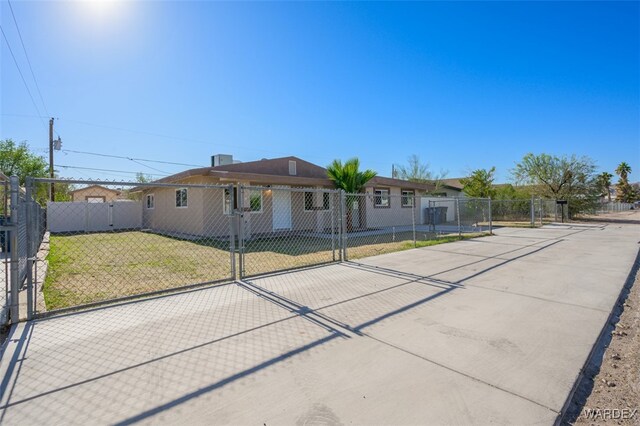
282,228
113,241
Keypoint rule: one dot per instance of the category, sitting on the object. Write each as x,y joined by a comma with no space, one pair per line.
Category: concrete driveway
491,330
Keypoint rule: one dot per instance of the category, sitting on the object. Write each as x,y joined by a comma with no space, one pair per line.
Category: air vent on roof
292,167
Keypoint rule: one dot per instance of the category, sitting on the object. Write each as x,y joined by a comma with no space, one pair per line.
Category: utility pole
51,188
57,145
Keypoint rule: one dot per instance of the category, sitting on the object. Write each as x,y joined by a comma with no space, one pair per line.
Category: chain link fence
103,241
613,207
282,228
379,223
458,215
5,195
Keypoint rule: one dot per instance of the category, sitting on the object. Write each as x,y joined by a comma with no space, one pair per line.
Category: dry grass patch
96,267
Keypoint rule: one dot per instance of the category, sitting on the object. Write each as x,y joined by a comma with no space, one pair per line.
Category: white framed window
408,197
381,197
255,201
150,201
292,168
182,196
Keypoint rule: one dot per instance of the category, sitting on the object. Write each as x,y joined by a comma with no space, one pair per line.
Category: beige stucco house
95,194
284,194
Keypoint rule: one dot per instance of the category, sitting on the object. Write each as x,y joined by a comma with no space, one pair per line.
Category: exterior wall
448,202
94,191
205,216
167,218
452,192
394,215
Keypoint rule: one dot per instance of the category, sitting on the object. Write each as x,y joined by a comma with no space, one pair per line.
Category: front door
281,197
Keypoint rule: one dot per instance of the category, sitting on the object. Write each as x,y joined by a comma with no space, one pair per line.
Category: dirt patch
612,379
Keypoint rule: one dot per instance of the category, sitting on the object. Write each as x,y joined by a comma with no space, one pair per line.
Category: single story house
451,187
271,205
95,194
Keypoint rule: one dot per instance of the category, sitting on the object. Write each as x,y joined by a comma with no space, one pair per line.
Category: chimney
221,160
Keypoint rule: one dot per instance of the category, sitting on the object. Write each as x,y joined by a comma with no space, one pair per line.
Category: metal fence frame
35,231
411,225
333,233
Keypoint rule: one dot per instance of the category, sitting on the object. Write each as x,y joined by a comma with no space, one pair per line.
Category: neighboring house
450,188
95,194
204,212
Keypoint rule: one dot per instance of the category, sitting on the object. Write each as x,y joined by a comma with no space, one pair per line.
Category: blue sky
462,85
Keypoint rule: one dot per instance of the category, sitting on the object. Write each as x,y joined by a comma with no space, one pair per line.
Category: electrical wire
15,61
130,158
107,170
28,60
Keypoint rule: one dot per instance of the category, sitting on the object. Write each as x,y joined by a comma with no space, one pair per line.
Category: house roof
95,186
276,171
453,183
385,181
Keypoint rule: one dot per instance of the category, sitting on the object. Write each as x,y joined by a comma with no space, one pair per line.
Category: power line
15,61
107,170
134,159
28,60
148,167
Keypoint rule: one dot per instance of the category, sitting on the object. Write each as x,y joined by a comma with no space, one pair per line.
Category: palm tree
604,183
625,191
350,179
623,170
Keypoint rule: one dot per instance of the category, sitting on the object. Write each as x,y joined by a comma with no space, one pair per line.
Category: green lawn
103,266
96,267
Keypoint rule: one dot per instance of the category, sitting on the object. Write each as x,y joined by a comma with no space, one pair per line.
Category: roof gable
88,188
277,167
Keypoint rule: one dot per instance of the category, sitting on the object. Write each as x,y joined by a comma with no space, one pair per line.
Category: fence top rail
136,185
290,189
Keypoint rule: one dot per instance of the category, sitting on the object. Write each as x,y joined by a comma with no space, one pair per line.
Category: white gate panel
127,215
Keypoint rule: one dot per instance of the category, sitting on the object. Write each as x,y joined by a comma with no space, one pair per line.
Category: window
407,198
326,201
308,201
226,202
255,201
381,197
95,199
150,201
292,167
181,197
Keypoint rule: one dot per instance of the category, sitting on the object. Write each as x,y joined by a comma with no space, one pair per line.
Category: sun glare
101,9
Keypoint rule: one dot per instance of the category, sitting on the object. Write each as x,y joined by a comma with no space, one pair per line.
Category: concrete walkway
490,330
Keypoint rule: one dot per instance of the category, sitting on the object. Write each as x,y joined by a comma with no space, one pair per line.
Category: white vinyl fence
80,216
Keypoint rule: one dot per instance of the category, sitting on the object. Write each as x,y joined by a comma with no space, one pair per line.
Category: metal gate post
332,206
458,214
490,219
14,267
30,246
532,211
413,221
432,219
240,217
232,235
541,210
343,220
